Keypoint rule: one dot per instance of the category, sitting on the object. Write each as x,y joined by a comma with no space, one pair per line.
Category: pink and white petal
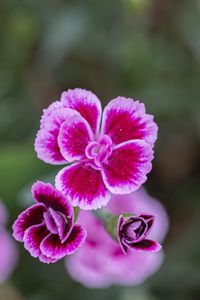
74,136
46,142
126,119
147,245
86,103
33,237
47,149
47,260
52,247
126,169
29,217
83,185
47,111
45,193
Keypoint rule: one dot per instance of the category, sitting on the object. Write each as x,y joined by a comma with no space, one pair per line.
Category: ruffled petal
47,111
46,142
31,216
33,237
52,247
86,103
45,193
125,170
125,119
74,136
83,185
47,260
146,245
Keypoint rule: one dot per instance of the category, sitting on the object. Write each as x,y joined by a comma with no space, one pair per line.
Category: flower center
55,222
134,230
99,151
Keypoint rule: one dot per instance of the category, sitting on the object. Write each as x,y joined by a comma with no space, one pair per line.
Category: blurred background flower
101,262
145,49
8,249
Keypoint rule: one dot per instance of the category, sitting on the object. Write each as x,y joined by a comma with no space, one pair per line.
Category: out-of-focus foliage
146,49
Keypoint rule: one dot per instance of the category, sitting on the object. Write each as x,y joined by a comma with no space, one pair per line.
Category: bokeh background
144,49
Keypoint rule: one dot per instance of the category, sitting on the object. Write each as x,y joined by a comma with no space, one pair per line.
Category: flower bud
132,232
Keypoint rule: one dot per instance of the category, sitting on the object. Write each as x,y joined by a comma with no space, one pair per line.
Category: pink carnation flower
108,153
101,261
47,228
8,251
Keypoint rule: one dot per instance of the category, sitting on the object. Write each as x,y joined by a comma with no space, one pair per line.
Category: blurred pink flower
101,262
8,250
111,152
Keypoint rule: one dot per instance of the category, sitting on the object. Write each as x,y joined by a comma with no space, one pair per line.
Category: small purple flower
47,228
109,152
132,233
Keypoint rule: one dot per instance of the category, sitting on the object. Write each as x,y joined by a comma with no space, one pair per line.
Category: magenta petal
120,222
125,170
86,103
51,197
147,245
31,216
51,246
83,185
149,219
46,142
74,136
122,245
125,119
50,222
33,237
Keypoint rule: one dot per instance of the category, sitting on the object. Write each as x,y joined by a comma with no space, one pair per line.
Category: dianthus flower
101,261
107,153
8,251
47,228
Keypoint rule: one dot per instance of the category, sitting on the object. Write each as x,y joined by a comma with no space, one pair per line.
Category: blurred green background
144,49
